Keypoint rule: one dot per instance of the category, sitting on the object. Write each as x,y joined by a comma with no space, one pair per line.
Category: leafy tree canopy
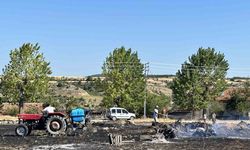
25,78
200,80
124,80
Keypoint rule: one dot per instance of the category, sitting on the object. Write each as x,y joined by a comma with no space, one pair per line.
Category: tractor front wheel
55,125
21,130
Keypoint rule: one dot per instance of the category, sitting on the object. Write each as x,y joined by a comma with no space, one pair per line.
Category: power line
197,66
194,69
175,66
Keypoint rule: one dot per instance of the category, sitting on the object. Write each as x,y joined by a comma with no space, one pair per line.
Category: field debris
114,135
115,139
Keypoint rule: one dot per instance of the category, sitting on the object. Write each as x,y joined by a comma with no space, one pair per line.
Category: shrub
12,111
238,103
79,83
89,78
216,107
73,103
1,107
31,110
61,84
161,100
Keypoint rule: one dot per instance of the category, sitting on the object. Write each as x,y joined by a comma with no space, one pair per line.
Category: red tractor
54,123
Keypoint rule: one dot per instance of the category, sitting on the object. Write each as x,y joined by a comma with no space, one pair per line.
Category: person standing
213,118
164,113
205,118
155,114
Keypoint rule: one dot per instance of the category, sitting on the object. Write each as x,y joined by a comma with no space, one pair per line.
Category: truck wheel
21,130
132,118
55,125
114,118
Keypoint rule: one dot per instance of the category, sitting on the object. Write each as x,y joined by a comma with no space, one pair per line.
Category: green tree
240,99
216,107
200,80
25,78
93,87
161,100
124,80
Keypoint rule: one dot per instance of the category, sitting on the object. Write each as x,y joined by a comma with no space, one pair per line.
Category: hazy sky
77,35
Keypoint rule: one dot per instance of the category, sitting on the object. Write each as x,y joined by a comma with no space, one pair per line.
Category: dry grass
6,117
149,120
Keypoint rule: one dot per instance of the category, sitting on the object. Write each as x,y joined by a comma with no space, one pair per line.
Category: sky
77,35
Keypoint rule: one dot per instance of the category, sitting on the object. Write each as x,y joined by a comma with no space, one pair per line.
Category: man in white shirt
155,115
49,109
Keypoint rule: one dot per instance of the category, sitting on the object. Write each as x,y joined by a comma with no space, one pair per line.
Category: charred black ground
96,137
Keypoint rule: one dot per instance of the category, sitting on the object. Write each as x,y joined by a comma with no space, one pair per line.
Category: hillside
84,88
158,85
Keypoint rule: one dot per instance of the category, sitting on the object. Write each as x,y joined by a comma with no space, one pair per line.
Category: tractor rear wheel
55,125
21,130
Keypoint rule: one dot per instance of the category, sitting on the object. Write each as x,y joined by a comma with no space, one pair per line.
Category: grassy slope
155,84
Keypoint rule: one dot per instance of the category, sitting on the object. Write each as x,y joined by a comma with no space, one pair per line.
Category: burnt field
97,137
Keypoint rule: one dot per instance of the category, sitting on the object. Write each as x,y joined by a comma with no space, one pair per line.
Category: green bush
11,111
73,103
89,78
1,100
238,103
1,106
61,84
32,110
216,107
161,100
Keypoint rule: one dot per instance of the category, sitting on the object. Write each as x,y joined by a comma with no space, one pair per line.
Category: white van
115,113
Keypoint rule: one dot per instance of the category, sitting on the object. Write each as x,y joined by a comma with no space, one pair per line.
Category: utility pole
146,69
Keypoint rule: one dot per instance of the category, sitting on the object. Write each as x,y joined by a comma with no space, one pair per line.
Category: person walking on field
155,114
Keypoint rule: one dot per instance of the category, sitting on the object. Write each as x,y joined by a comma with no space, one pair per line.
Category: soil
96,137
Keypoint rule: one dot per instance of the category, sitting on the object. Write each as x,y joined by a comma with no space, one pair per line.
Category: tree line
196,85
